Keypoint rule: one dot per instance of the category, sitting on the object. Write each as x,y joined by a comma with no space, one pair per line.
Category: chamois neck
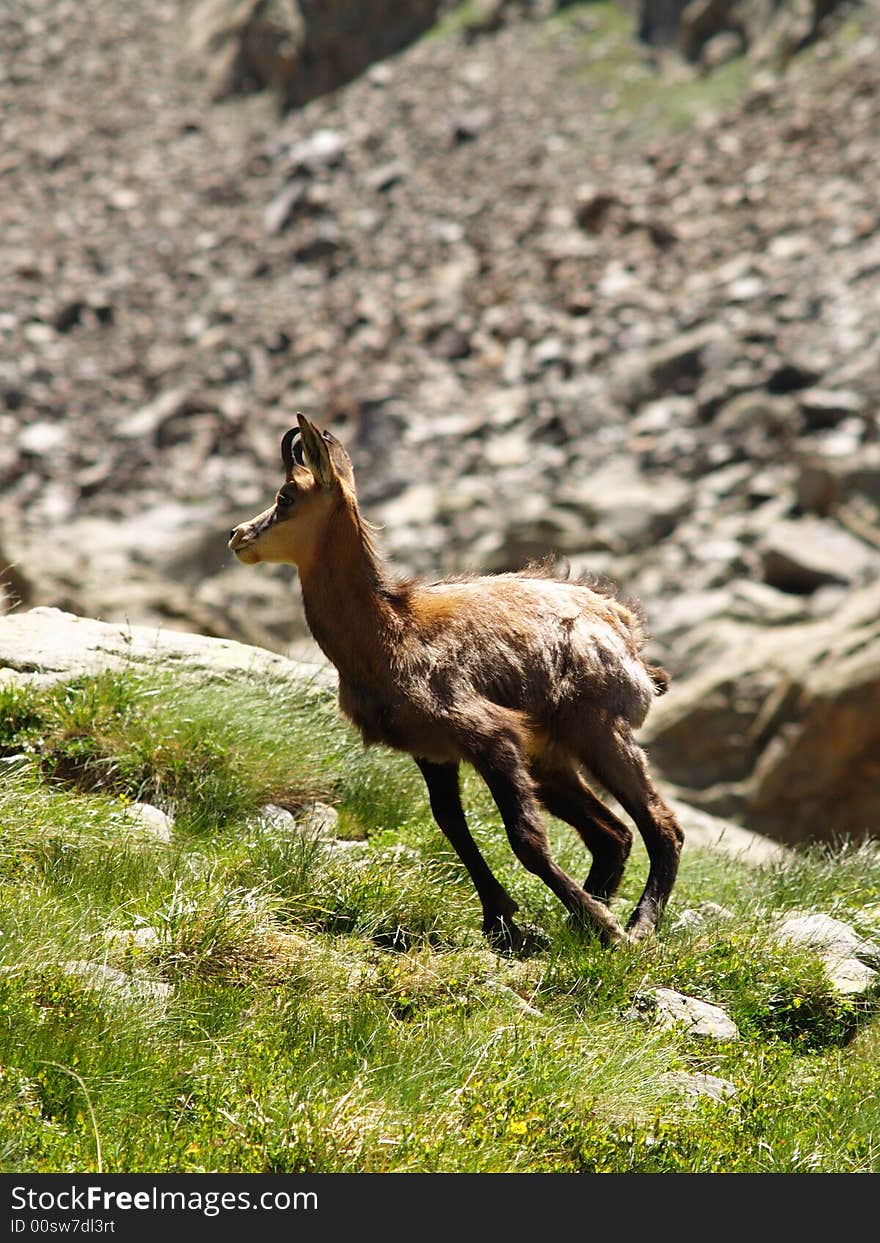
347,599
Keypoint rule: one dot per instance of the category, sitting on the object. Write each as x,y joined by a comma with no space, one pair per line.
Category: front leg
498,906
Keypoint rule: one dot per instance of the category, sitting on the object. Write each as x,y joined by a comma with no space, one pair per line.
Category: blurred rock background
594,280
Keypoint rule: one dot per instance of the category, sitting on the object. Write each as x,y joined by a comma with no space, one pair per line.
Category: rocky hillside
555,299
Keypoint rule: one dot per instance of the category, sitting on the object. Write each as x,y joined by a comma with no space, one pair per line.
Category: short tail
659,677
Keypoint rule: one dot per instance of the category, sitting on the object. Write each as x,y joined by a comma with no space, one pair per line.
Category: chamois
530,679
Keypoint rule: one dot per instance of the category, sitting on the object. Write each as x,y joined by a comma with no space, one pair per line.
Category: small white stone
131,938
699,1018
348,846
117,983
42,439
315,819
697,1085
689,921
319,820
149,821
830,937
275,817
704,914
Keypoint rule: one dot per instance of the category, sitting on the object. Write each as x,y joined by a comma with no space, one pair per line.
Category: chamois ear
316,453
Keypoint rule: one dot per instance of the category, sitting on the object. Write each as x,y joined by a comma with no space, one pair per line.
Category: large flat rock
49,642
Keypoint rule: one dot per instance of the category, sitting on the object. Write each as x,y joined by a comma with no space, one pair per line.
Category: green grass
453,22
337,1010
596,45
647,100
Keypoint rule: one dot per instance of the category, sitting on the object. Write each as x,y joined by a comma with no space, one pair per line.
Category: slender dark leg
502,766
566,795
498,906
620,765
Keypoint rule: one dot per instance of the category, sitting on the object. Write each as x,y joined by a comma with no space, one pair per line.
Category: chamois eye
284,500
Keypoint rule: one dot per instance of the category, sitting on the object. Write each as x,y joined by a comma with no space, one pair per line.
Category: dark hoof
534,941
506,937
640,926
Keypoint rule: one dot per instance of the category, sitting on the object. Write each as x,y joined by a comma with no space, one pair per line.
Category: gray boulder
772,30
623,507
710,832
676,366
15,586
299,48
799,556
118,986
782,730
849,959
697,1018
245,45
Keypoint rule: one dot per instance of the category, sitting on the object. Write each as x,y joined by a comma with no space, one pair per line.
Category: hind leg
567,796
620,764
498,756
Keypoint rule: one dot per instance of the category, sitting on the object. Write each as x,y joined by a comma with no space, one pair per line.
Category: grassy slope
338,1010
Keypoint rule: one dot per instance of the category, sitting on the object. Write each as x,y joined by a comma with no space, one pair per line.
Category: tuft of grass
453,22
647,99
208,756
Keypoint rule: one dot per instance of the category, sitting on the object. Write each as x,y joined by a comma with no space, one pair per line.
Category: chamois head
318,480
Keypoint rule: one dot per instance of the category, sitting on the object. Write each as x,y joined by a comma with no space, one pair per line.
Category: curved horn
289,456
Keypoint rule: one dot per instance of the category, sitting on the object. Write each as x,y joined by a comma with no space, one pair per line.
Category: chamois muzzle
248,537
239,540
